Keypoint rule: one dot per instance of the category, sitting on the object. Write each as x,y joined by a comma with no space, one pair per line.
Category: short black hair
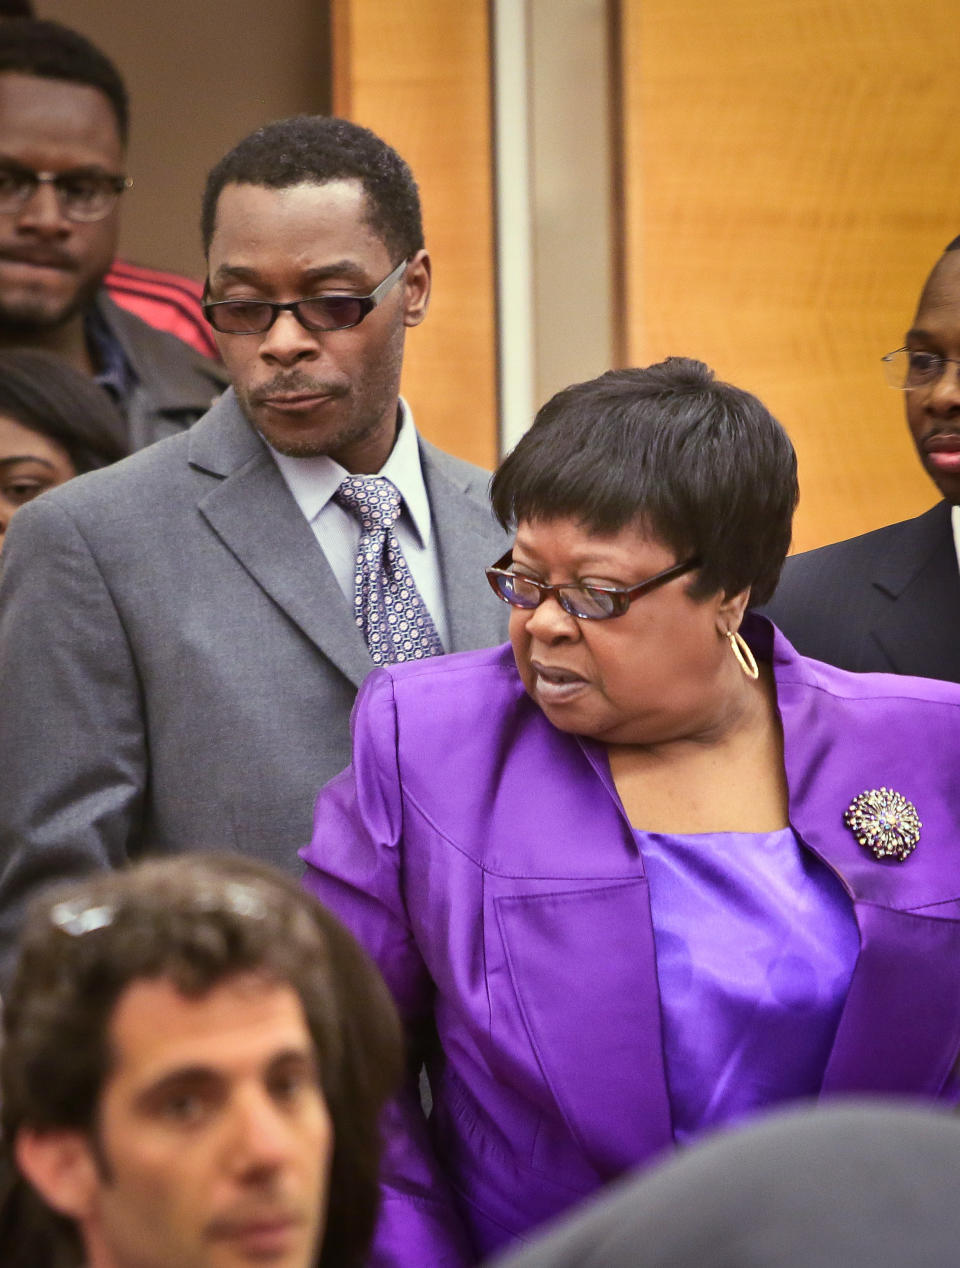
41,391
197,920
697,463
50,50
316,149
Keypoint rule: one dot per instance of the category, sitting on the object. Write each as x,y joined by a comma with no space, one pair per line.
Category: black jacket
173,385
888,601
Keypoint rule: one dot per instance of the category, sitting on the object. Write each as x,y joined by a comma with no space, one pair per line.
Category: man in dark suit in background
182,635
889,601
63,133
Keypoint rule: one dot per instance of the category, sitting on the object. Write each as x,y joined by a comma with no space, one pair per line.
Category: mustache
234,1222
47,256
295,383
941,433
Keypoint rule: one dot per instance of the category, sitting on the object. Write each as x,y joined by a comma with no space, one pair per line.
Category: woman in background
647,871
55,423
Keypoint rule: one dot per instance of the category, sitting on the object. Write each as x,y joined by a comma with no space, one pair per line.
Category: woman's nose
548,621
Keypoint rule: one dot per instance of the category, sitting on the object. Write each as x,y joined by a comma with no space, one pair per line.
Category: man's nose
944,396
287,341
259,1137
41,212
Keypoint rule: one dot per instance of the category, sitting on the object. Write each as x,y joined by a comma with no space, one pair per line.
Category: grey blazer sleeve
72,752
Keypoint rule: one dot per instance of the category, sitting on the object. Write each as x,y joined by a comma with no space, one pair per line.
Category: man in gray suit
179,649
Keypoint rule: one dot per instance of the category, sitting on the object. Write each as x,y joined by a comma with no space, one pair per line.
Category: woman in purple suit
646,870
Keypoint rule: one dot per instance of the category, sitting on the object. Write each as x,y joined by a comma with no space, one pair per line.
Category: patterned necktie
387,605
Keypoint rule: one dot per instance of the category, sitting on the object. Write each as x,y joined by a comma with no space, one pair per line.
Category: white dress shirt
313,482
955,521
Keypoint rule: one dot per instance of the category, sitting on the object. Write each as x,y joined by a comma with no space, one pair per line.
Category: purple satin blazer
485,860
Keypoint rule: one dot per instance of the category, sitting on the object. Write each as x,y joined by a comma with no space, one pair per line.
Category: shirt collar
313,481
955,522
114,372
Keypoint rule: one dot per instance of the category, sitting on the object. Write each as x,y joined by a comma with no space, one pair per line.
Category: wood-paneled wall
200,77
792,171
418,73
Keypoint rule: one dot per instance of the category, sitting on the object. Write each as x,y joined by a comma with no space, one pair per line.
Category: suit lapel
252,512
254,515
468,538
597,1035
919,629
899,1031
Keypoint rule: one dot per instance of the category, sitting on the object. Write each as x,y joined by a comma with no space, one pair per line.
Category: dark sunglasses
589,603
324,312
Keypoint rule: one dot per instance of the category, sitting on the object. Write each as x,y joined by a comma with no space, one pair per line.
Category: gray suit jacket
886,602
178,662
172,386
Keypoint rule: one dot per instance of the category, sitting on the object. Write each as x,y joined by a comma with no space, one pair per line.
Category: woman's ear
731,611
61,1167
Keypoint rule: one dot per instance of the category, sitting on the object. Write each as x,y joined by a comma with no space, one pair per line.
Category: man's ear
416,282
61,1167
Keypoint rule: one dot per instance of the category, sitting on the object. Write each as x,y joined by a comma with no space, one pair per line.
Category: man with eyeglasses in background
182,636
889,601
63,134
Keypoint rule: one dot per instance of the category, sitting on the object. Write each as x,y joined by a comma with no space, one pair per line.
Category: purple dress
485,860
755,943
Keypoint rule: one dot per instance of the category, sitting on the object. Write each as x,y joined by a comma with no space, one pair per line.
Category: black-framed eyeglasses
83,194
589,603
909,368
323,312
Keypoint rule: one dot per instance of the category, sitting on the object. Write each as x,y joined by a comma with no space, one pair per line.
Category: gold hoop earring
745,657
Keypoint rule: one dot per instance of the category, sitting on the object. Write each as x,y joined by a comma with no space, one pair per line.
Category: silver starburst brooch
885,822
